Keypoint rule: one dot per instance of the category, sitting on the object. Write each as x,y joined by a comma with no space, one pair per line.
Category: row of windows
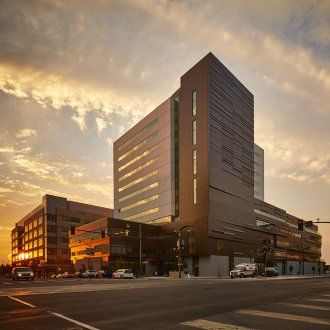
33,224
194,141
34,234
194,103
194,132
140,191
142,178
138,146
138,203
34,244
141,214
139,168
145,129
195,191
135,159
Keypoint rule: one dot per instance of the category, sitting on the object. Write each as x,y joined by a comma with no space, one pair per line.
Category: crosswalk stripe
211,325
319,299
283,316
321,308
325,295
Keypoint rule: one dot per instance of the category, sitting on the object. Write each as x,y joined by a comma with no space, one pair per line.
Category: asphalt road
166,304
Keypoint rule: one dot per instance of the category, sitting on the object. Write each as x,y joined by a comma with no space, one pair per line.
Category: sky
75,75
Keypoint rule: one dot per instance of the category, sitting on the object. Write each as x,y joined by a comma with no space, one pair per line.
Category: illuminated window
194,102
139,168
195,191
40,221
141,202
30,245
40,230
141,214
35,233
41,252
143,154
138,146
140,191
194,132
35,223
35,253
40,242
145,129
143,178
35,244
194,161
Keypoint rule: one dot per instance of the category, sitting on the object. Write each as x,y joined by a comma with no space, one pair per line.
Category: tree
290,269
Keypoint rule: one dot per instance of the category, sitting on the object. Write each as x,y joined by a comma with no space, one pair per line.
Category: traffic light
300,225
102,233
72,230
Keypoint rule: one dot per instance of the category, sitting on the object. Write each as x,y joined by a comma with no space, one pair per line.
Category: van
244,270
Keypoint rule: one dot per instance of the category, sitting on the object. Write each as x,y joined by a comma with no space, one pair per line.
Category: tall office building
259,185
191,162
41,238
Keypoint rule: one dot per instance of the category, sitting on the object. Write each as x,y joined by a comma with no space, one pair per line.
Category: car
22,273
244,270
67,275
59,276
53,276
270,271
104,274
90,274
77,275
123,273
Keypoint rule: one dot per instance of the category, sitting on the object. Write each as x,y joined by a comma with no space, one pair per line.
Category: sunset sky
75,75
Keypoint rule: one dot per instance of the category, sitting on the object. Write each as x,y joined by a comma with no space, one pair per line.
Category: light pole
179,245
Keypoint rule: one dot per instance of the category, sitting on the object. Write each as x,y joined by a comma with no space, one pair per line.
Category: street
166,303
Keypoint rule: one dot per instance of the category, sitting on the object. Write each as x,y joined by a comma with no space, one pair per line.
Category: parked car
53,276
104,274
90,274
244,270
59,276
123,273
67,275
77,275
22,273
270,271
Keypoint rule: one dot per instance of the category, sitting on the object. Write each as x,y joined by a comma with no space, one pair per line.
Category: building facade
259,170
209,181
111,244
41,238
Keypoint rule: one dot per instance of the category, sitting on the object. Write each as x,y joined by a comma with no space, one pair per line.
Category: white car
123,273
244,270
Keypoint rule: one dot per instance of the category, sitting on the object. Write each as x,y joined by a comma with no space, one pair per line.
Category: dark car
22,273
270,271
104,274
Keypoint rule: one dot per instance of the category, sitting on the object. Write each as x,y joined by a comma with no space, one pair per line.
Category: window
145,129
40,242
138,146
194,161
140,156
40,230
194,102
143,178
141,214
35,223
41,252
194,132
141,202
140,191
139,168
195,191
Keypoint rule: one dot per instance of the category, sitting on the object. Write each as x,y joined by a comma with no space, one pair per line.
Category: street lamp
179,245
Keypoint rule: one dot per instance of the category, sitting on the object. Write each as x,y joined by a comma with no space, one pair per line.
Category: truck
244,270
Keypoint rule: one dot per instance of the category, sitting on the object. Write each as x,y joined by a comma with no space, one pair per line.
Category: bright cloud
26,132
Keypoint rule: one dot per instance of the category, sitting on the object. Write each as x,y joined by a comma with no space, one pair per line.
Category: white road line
21,301
321,308
211,325
325,295
320,300
74,321
283,316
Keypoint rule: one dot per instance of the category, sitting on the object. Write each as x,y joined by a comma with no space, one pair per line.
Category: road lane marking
325,295
74,321
21,301
283,316
321,308
320,300
211,325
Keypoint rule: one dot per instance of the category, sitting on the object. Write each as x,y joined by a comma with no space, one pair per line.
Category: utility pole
219,246
140,249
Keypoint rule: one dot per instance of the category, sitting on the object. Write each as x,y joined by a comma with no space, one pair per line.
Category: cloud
26,132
